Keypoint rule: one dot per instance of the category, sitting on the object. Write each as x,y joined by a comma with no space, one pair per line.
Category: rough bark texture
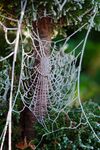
27,120
42,28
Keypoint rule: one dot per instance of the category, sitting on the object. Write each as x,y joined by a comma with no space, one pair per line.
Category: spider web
52,82
47,88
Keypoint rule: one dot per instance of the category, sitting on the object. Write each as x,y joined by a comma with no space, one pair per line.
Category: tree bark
43,28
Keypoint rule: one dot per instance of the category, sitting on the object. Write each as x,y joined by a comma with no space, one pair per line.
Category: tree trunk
43,28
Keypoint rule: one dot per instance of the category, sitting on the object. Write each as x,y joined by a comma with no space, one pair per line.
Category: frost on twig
9,116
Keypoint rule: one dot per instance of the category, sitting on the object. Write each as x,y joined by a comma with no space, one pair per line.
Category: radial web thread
47,88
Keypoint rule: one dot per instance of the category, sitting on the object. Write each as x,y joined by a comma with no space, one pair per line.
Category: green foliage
64,13
3,44
72,139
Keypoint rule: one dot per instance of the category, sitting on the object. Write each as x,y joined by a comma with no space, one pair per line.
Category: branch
2,59
9,117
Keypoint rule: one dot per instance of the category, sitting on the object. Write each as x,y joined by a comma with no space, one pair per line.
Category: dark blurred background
90,74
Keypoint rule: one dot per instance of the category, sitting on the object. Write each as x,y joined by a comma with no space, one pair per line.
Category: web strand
47,83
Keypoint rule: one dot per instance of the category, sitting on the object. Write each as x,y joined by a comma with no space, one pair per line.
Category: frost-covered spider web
47,84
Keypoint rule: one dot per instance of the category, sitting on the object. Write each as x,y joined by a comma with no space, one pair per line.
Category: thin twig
79,71
2,59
